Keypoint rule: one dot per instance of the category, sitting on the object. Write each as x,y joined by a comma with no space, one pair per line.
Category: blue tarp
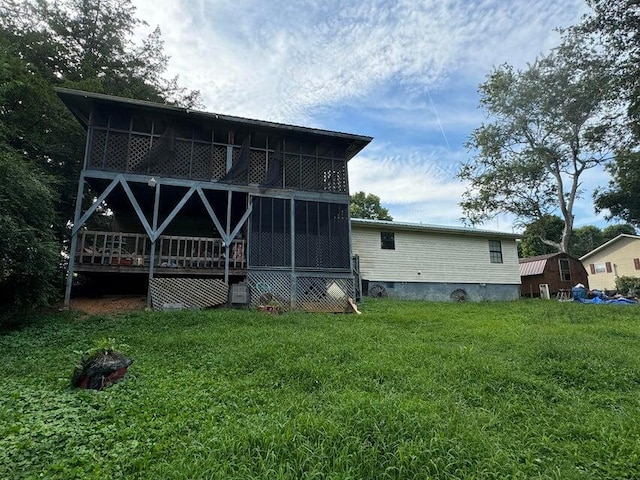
612,301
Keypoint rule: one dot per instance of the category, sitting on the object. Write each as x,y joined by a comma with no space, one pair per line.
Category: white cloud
300,61
276,60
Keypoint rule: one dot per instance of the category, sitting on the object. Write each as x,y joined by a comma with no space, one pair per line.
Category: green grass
406,390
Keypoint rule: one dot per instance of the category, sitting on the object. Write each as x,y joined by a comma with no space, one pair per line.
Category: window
600,268
495,251
387,241
565,270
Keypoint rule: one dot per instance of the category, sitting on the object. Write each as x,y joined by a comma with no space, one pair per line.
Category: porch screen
270,240
322,235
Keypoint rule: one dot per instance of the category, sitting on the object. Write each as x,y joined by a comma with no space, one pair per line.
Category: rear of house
619,257
428,262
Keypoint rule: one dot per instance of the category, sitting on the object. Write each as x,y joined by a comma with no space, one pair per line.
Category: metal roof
389,225
81,102
610,242
535,267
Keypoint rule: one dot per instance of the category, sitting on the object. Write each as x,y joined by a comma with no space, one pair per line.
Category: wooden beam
136,207
212,214
74,242
173,214
257,191
78,222
241,222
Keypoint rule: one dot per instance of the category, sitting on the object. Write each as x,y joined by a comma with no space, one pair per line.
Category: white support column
74,241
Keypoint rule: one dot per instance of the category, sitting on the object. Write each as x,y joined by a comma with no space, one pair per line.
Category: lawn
529,389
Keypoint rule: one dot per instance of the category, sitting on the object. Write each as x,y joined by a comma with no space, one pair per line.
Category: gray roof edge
433,228
606,244
217,116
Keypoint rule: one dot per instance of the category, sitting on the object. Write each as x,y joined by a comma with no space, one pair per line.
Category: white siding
620,254
439,257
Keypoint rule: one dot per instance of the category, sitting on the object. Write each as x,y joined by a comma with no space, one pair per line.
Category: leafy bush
29,257
628,285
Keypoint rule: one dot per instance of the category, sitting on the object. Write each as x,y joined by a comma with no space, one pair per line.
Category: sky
405,72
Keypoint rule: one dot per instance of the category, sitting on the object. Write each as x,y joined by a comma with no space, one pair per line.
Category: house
619,257
559,271
429,262
204,201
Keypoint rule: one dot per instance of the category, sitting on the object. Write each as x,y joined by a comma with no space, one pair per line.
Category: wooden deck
119,252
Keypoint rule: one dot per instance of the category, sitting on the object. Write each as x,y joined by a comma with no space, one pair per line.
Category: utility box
239,295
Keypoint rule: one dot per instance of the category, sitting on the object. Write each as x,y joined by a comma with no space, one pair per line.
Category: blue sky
403,72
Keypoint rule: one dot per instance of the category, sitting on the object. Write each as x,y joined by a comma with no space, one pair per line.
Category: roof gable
609,243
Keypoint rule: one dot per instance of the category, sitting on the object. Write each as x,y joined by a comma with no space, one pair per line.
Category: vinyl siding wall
620,255
438,257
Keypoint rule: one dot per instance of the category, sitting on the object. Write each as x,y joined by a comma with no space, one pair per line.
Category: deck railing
133,250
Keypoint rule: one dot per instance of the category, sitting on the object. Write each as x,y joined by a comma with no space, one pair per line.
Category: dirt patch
109,304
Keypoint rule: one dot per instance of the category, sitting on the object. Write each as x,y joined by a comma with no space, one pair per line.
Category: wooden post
74,241
152,252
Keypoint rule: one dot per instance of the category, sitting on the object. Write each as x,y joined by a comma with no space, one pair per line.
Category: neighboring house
428,262
202,201
619,257
559,271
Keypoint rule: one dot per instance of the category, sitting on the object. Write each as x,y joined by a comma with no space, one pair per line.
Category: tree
585,239
612,231
28,255
622,198
615,28
368,206
547,227
84,44
548,124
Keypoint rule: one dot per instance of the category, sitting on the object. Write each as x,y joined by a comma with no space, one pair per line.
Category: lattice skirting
323,294
312,294
270,288
167,293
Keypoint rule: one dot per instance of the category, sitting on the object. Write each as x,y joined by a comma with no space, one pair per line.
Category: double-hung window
495,251
387,241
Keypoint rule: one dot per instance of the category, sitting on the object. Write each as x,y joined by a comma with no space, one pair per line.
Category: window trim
568,269
495,251
388,243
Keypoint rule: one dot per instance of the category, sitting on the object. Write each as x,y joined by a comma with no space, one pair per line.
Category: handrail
172,251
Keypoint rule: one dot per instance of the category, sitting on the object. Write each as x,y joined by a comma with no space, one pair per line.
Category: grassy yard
406,390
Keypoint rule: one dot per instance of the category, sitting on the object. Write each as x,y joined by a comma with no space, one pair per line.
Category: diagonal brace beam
136,207
173,214
240,223
95,205
212,214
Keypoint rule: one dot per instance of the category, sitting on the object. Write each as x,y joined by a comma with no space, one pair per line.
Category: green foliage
628,285
405,390
548,227
84,44
615,28
28,253
103,346
547,124
368,206
622,198
583,239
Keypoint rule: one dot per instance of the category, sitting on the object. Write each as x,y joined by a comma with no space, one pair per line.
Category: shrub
29,256
628,285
